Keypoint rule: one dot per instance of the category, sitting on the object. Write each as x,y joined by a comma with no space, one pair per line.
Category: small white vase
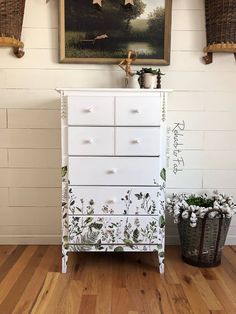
149,80
133,81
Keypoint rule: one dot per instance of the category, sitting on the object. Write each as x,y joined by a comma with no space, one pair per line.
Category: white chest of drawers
113,171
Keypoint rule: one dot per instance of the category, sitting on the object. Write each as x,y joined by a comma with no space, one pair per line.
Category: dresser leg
161,263
161,268
64,262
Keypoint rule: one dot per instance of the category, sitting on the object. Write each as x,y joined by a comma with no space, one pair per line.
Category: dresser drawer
113,170
90,110
138,111
138,141
98,230
91,141
100,200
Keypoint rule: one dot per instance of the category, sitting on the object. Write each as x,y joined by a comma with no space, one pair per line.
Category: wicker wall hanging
220,27
11,20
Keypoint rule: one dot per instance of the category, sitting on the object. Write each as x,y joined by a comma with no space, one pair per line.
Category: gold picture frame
71,46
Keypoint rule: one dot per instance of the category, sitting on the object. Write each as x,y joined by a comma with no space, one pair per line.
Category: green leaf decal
66,246
119,249
135,235
128,243
96,225
65,238
139,196
163,174
63,171
161,221
98,244
88,220
162,254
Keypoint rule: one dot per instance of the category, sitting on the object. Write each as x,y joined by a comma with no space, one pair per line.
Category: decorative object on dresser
113,171
220,27
11,21
203,224
96,31
131,79
150,78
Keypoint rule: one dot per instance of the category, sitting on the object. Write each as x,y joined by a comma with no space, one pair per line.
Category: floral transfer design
143,230
65,223
117,233
94,231
132,203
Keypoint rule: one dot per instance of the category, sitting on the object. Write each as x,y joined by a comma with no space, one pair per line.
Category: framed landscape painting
102,31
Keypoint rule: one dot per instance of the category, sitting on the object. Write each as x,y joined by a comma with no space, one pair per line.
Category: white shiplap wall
205,98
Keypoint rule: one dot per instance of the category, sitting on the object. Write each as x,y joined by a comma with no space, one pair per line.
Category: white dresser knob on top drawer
88,110
112,171
135,111
136,141
89,141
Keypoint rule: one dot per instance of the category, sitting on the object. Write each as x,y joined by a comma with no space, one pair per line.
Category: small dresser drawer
138,111
113,170
138,141
98,230
100,200
90,110
91,141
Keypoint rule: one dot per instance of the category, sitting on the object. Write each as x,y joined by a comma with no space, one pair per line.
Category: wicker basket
220,27
201,246
11,20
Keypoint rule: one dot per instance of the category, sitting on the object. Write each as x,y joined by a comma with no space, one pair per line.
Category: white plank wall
205,98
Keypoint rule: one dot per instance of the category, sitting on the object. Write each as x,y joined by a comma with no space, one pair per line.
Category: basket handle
203,233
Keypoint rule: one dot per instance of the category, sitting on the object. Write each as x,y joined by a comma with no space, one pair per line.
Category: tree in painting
110,31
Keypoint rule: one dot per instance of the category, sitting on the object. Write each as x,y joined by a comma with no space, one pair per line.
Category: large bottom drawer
102,200
128,231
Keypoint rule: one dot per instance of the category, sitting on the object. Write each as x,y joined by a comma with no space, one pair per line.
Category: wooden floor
119,283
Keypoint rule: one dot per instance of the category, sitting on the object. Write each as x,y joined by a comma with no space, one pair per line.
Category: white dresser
113,171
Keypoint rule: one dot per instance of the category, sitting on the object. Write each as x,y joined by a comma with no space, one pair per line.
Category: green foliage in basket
200,201
194,206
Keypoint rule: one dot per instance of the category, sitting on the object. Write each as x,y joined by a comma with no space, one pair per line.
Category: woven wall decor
11,20
220,27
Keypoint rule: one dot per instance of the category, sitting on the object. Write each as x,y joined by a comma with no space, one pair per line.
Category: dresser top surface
68,91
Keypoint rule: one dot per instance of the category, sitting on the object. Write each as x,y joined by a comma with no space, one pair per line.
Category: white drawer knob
111,201
89,141
112,171
88,110
136,141
136,111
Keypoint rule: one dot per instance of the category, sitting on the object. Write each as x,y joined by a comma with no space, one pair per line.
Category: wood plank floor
117,283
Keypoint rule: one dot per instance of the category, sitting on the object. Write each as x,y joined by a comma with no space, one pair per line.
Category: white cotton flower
191,207
193,215
212,215
202,215
176,211
216,205
185,214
